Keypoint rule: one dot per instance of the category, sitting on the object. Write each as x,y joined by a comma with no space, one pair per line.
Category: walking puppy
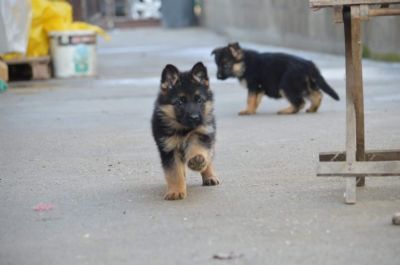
184,127
276,75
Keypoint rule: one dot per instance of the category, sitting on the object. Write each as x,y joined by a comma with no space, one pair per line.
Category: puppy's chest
176,142
181,142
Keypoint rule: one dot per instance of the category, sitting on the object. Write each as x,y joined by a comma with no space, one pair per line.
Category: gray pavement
85,146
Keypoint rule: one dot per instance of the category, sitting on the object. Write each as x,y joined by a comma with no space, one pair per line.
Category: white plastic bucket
73,53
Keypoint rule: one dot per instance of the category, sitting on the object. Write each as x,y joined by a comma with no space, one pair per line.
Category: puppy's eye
198,99
180,101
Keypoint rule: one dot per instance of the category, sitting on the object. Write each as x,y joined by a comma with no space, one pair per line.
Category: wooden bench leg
354,97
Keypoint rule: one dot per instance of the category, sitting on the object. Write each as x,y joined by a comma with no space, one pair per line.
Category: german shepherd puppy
184,128
275,75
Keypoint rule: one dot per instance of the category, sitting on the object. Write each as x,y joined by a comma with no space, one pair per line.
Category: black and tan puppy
184,128
275,75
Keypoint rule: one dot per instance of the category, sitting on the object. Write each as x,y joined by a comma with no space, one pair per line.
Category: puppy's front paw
211,181
246,112
197,163
173,195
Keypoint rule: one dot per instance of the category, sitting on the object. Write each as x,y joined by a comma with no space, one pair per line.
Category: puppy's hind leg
315,98
296,104
291,88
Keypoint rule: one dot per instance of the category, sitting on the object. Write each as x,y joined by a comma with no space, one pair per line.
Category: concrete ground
85,146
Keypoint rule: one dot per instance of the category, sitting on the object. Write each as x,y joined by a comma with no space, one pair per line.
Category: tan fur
195,148
238,69
208,108
176,174
259,99
253,101
164,87
171,81
205,129
172,143
209,176
176,142
168,117
237,53
176,180
201,81
315,98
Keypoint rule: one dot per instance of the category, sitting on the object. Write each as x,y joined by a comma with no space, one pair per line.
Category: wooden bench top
327,3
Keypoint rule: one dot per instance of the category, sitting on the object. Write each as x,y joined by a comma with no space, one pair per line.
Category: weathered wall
291,23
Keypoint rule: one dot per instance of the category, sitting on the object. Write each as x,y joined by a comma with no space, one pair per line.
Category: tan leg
253,101
209,176
315,98
197,157
259,99
176,181
291,109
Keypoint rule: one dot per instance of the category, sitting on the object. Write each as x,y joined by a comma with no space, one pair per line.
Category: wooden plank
326,3
363,168
357,86
350,32
350,193
352,29
370,155
383,12
338,14
364,10
27,60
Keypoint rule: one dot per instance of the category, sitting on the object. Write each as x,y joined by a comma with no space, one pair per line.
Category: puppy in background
183,126
276,75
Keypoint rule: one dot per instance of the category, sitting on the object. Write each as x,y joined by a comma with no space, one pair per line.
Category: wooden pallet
3,71
37,68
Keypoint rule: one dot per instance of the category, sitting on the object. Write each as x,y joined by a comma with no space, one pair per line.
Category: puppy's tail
323,85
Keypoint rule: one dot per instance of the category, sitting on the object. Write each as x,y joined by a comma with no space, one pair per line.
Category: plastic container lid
71,32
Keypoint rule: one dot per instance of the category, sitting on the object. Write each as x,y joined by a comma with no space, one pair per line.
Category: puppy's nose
219,75
194,118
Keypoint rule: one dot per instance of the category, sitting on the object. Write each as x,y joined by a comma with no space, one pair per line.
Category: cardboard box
3,71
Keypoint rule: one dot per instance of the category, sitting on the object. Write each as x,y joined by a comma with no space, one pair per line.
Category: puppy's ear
169,77
199,73
216,51
236,50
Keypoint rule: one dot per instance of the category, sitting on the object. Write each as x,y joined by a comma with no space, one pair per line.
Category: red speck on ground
43,207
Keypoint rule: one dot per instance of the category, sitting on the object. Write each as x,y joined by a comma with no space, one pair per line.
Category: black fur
271,73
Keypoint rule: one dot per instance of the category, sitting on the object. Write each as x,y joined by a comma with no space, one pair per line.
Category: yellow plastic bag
52,16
